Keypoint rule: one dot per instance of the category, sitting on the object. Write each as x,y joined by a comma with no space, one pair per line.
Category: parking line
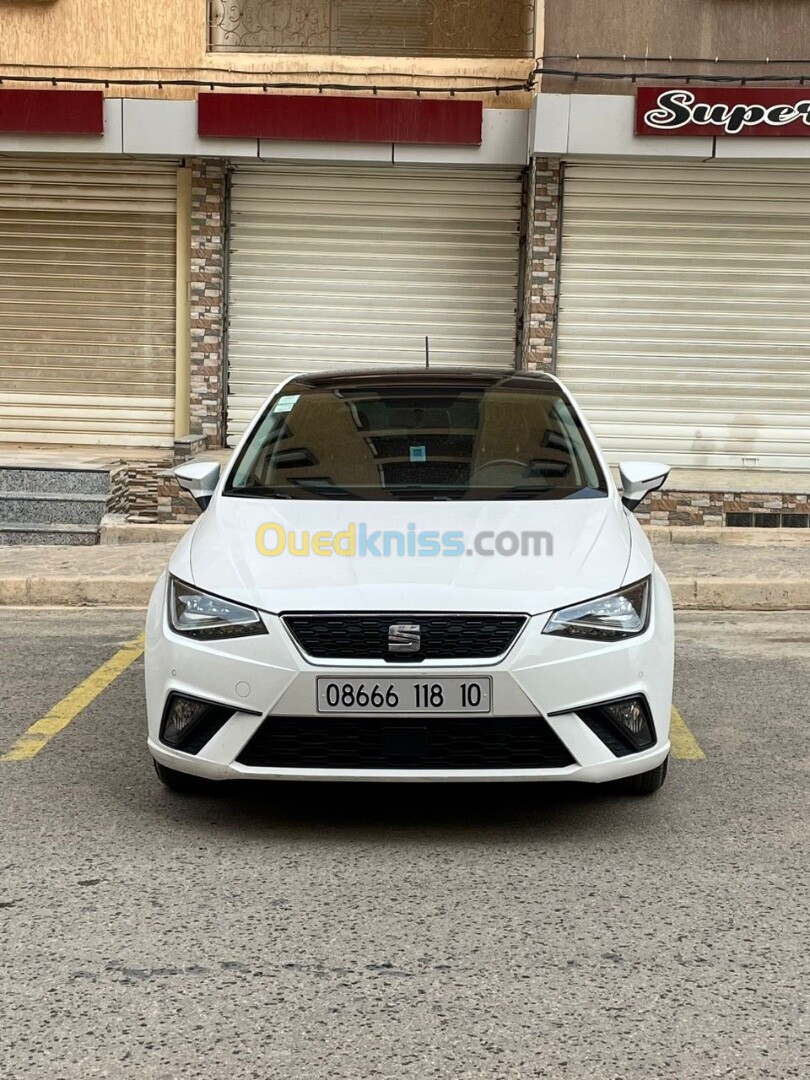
685,746
40,734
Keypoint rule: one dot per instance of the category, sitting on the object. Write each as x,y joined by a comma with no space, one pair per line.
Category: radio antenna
427,353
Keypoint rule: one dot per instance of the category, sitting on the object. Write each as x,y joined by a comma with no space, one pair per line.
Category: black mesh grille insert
442,637
373,742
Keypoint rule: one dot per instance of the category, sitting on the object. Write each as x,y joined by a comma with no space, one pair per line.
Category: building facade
198,199
671,287
268,188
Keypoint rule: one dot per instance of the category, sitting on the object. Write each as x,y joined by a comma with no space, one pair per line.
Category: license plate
410,696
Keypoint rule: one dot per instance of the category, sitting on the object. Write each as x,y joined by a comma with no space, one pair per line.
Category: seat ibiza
413,576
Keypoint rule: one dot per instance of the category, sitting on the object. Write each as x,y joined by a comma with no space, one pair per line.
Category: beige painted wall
728,29
167,38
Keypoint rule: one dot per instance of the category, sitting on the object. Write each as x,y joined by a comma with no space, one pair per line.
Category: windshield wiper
530,491
300,490
331,494
259,493
323,490
525,491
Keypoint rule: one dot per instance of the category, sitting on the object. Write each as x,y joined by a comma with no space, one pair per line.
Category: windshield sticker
284,404
418,453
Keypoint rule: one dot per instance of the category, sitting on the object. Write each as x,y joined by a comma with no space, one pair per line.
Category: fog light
188,723
632,719
624,726
630,715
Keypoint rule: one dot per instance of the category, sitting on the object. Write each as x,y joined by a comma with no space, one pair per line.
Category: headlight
199,615
607,618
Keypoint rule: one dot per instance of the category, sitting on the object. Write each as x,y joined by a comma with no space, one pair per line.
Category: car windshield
418,442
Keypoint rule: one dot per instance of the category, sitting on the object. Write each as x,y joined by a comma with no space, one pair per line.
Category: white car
413,576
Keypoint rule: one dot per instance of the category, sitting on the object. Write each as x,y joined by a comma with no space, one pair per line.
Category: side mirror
199,479
639,478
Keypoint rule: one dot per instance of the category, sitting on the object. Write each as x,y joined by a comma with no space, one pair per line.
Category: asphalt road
405,932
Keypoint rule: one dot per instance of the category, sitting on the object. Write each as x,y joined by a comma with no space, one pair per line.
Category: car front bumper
266,675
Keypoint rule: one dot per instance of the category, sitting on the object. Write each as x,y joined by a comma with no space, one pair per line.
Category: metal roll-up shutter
684,323
87,301
352,267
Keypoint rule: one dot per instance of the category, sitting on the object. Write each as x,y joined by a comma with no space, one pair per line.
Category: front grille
375,742
442,637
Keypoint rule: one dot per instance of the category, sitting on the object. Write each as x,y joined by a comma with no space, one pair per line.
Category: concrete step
57,481
51,508
17,533
115,529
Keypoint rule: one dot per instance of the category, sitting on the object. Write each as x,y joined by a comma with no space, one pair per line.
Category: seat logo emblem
404,637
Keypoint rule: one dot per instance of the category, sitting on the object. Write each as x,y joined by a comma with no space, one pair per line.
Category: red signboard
52,112
739,110
339,119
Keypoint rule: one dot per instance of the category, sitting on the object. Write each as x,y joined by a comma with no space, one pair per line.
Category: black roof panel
484,378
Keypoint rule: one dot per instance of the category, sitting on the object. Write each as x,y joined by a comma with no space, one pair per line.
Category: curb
740,594
116,530
76,592
725,535
688,594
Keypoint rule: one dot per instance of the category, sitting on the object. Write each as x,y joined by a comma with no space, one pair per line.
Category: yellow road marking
40,734
684,744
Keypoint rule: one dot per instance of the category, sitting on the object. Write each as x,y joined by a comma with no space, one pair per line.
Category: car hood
586,554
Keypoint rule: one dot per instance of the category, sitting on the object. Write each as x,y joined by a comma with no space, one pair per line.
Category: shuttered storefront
87,301
334,267
684,322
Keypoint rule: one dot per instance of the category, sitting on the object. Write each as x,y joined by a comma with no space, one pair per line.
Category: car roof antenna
427,353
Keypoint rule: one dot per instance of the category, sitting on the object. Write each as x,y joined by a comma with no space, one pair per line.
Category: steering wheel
498,463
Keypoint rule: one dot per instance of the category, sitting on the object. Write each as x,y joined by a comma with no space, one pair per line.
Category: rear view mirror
199,479
639,478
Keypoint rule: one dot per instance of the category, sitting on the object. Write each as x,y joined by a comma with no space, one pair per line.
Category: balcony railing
458,28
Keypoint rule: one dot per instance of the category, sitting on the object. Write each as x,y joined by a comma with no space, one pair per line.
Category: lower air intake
386,742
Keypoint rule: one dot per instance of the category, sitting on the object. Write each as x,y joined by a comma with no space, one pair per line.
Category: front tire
646,783
182,783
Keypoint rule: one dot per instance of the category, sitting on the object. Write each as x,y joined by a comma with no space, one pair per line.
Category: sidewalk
710,576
